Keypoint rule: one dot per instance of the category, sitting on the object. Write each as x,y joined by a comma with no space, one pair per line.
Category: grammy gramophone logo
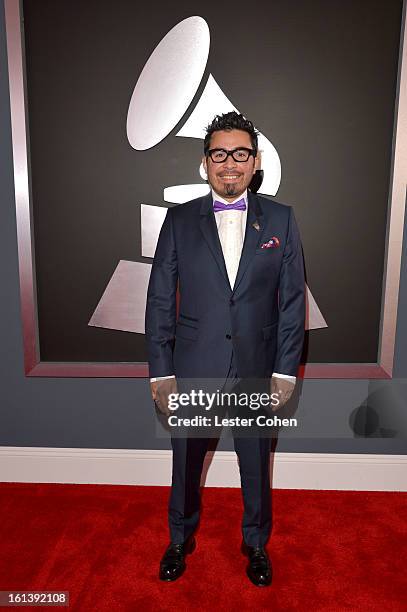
176,67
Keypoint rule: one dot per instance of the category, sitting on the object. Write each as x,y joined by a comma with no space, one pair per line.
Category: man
236,260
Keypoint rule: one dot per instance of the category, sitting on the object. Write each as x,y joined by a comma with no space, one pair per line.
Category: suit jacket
261,319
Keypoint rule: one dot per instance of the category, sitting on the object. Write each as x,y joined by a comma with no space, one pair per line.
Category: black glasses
239,155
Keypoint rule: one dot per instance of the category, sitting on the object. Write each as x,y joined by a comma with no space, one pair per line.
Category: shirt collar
217,197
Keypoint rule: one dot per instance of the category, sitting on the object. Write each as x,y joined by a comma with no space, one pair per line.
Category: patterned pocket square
271,244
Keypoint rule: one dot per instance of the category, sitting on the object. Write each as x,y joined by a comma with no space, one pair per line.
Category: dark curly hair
230,121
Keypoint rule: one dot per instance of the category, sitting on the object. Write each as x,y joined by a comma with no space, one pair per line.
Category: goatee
230,190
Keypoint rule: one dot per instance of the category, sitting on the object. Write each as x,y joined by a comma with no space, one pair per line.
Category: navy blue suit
251,330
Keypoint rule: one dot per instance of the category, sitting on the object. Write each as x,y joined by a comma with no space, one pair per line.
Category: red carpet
330,550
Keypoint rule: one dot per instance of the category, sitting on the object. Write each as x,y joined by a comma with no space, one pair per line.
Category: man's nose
230,162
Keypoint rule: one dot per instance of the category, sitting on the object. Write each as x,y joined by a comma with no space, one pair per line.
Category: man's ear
204,164
257,162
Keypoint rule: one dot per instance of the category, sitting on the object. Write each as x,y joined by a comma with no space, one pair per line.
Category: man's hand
160,390
283,388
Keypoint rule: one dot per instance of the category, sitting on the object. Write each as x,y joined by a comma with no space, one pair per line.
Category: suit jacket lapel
210,233
255,219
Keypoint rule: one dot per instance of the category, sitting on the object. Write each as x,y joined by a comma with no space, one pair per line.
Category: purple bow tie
239,205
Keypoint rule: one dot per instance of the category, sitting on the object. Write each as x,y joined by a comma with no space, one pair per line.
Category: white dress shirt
231,226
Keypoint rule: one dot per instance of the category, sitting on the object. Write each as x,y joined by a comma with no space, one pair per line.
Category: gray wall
339,416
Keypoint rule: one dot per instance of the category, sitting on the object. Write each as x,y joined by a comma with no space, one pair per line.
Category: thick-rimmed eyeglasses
239,155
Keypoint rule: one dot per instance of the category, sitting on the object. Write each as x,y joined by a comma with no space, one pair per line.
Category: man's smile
229,177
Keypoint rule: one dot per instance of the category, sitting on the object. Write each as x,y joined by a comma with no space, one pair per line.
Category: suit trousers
254,465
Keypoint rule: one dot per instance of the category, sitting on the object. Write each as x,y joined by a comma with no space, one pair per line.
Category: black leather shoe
172,564
259,567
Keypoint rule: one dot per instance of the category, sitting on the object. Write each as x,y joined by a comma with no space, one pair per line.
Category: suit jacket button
232,301
228,336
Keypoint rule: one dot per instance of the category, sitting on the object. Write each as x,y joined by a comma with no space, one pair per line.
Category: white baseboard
153,467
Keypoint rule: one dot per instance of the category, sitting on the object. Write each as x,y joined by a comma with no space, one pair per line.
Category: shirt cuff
161,378
286,376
